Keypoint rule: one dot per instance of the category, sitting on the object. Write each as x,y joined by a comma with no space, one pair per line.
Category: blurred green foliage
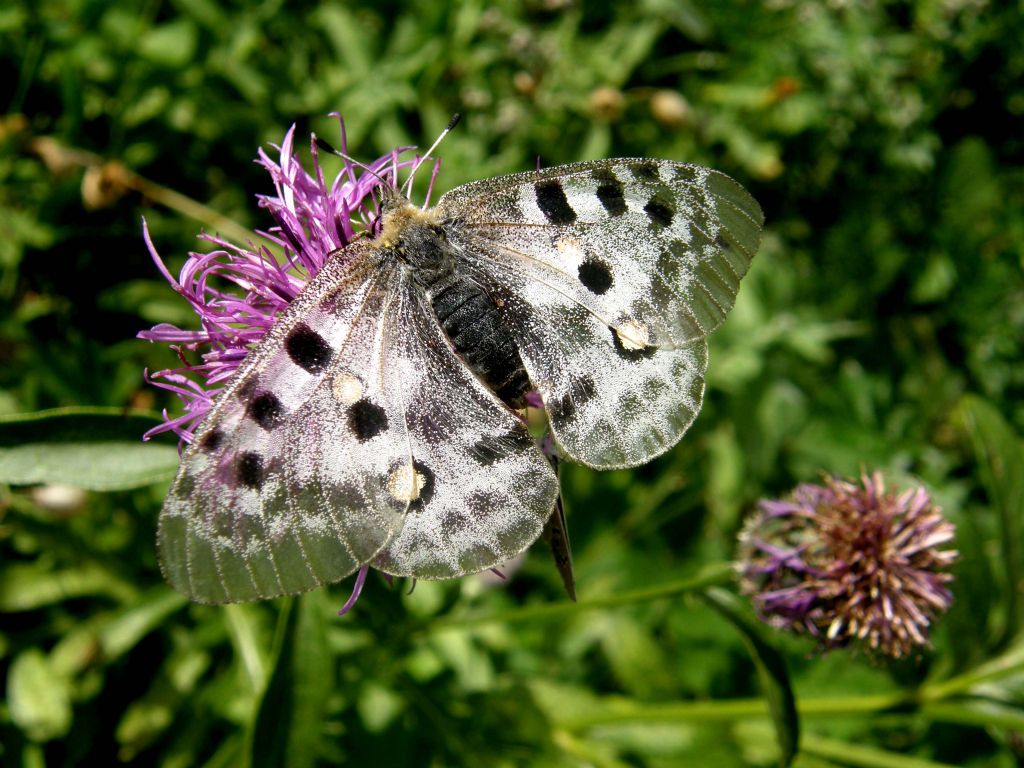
881,327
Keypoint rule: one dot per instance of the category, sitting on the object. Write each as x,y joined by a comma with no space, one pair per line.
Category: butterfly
378,422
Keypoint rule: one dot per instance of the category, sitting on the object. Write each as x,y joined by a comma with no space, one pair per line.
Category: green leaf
99,449
38,697
170,45
864,756
28,586
771,669
999,452
289,720
129,625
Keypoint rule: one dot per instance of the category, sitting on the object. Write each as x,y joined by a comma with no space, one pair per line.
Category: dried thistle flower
850,563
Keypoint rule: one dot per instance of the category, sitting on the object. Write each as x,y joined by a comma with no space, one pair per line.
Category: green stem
619,712
1007,664
129,179
216,221
862,756
733,709
721,573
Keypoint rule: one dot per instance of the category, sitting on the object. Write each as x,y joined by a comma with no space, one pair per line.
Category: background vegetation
881,327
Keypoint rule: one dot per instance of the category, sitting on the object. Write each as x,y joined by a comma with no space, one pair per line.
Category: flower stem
1009,663
624,711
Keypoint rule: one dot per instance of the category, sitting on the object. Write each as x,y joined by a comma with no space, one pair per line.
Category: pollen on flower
238,291
850,563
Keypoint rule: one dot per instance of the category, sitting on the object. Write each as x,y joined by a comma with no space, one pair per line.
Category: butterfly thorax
417,239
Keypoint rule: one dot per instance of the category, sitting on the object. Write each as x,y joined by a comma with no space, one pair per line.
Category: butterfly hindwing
610,274
483,488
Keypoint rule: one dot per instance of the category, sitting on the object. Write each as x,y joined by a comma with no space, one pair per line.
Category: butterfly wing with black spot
610,274
283,487
483,489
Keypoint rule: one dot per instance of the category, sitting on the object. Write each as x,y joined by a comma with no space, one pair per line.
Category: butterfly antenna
451,124
326,147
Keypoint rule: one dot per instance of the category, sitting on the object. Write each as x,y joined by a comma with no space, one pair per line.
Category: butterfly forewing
667,240
611,273
283,488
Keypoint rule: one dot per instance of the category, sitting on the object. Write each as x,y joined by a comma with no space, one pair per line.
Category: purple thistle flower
846,562
238,291
314,221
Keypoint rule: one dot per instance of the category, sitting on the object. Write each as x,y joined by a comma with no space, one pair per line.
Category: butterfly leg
556,534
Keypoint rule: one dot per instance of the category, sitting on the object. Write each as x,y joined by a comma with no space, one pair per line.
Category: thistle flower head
238,291
850,563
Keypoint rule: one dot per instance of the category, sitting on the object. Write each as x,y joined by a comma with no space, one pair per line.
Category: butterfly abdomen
470,319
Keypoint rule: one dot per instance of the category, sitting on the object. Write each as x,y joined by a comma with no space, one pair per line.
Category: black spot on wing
595,276
659,209
552,202
425,478
425,483
645,170
249,469
307,348
246,389
266,410
633,355
366,420
610,191
211,441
